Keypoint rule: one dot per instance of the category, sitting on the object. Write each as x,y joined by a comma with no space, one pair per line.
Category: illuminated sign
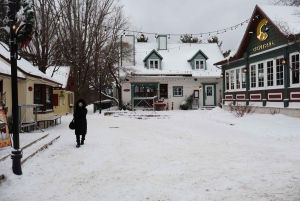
260,34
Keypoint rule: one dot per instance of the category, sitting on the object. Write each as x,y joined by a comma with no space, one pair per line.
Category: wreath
26,21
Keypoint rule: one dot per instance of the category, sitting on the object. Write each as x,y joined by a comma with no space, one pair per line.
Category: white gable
61,75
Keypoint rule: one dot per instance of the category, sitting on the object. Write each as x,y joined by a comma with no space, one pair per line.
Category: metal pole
16,155
100,92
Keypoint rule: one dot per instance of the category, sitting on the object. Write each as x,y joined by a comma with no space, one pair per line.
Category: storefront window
243,80
261,76
43,96
295,69
270,73
237,78
253,76
232,79
279,72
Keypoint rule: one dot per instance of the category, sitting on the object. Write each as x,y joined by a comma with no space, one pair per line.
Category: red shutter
55,99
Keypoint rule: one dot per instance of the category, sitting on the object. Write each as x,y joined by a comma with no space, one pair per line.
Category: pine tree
189,39
215,39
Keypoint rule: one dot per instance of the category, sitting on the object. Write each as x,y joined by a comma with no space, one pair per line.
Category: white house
172,72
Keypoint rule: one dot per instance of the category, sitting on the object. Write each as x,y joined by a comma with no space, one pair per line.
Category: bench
52,121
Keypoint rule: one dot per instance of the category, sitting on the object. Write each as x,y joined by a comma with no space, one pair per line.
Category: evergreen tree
215,39
189,39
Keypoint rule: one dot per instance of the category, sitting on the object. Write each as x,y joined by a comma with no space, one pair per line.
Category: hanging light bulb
169,36
83,27
209,34
217,32
181,37
124,33
105,31
201,36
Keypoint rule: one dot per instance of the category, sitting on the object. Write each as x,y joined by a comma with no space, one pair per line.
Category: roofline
151,53
199,51
8,75
246,37
26,73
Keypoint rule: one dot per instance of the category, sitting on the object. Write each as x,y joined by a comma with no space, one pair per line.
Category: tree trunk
120,97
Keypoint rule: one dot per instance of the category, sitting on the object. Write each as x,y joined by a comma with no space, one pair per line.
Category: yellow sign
261,36
264,46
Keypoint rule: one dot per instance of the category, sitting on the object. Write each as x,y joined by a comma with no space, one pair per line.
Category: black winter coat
80,118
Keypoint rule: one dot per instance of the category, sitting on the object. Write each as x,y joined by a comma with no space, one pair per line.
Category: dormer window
199,64
154,63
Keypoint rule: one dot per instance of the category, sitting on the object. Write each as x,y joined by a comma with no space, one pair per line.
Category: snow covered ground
184,155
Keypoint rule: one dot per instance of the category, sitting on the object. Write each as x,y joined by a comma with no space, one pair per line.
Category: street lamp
16,154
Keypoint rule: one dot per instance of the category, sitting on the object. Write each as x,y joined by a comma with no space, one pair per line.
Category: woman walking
80,121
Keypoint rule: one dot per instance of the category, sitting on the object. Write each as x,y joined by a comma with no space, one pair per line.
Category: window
43,96
154,63
163,92
235,79
253,76
178,91
279,72
267,74
227,79
70,99
199,64
270,73
144,91
295,69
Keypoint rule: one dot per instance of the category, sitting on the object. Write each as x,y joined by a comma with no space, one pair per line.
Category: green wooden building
264,70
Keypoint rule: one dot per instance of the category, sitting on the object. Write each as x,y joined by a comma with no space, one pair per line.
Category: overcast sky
191,16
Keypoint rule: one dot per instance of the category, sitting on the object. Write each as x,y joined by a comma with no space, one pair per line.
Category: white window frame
291,72
158,66
227,72
174,90
265,74
199,64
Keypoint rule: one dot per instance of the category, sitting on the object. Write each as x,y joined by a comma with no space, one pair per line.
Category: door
209,95
163,91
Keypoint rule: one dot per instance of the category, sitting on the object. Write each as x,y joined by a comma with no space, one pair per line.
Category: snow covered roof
175,59
6,69
283,17
61,74
24,66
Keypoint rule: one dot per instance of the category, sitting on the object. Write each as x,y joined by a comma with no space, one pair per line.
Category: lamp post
100,95
16,155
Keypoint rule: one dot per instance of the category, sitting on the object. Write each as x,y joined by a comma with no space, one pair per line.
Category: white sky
191,16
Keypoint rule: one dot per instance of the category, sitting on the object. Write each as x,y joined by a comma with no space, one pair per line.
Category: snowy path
193,155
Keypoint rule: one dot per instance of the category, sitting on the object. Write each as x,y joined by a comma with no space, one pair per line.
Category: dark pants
78,138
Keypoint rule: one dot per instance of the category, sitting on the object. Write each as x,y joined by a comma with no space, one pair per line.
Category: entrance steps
207,107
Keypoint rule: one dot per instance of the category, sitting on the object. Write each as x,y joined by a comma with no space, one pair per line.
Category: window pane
237,78
270,81
38,95
253,76
295,69
197,64
243,80
279,73
261,75
232,79
227,80
201,64
156,64
151,64
48,98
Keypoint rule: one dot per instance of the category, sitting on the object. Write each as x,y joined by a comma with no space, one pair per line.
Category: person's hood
83,102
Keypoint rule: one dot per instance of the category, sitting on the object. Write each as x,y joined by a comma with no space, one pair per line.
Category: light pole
100,95
16,155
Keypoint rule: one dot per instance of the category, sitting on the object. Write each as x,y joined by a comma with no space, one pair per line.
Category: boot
82,142
78,145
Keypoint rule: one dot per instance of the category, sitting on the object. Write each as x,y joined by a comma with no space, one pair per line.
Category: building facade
264,70
171,72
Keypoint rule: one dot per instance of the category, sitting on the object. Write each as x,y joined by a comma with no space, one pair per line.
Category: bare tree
81,33
43,51
285,2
